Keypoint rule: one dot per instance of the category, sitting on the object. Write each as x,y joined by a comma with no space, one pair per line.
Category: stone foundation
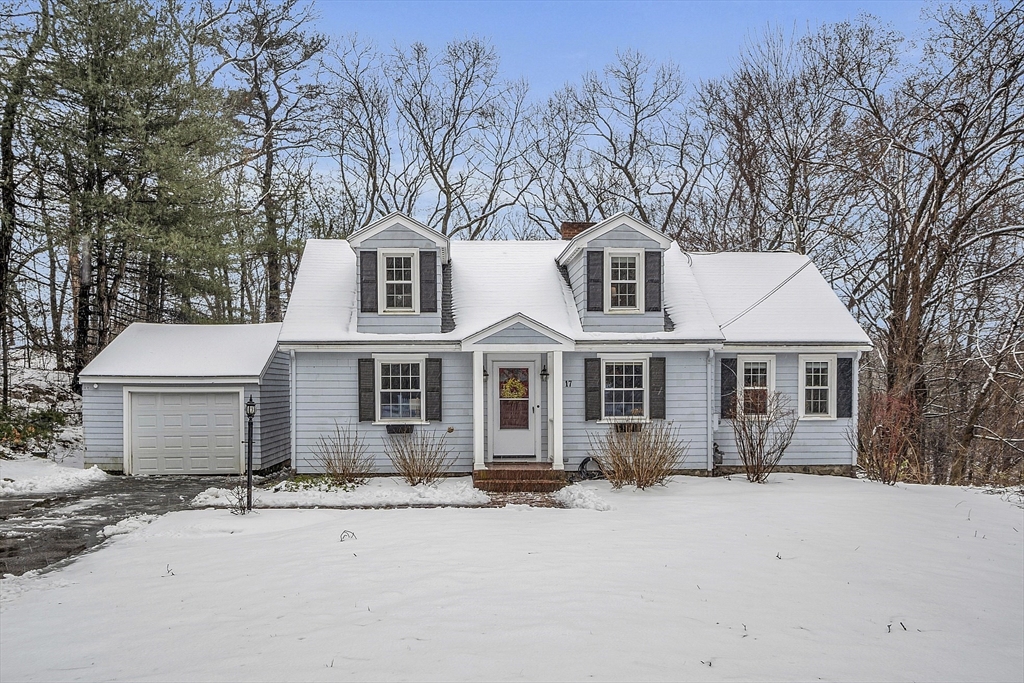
826,470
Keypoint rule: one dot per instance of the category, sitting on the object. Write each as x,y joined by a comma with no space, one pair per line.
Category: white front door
515,407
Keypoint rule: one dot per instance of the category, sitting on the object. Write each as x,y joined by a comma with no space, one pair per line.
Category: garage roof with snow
152,351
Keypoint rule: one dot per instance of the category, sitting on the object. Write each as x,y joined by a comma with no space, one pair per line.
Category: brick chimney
570,229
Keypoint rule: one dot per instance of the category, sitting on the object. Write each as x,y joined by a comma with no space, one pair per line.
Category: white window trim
401,358
819,358
740,362
382,298
640,280
619,419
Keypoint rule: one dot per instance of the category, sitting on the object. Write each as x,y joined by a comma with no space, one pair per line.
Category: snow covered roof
494,280
147,350
773,298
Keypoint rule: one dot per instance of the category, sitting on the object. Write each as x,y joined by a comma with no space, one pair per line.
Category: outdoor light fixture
485,373
250,413
544,373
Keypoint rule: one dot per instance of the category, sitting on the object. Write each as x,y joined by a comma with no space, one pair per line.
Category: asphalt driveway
38,530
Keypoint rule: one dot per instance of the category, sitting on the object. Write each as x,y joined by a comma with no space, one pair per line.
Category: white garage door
185,433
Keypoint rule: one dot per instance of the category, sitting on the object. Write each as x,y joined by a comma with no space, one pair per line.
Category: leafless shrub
238,496
343,457
763,433
419,457
885,436
639,454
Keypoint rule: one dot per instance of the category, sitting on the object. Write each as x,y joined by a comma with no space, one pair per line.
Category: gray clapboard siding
274,413
816,441
326,393
517,334
622,237
685,391
399,237
103,421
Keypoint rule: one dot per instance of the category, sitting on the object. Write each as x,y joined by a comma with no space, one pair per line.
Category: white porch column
556,411
478,411
710,404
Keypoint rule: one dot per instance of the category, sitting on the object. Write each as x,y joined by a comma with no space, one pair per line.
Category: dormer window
399,283
624,273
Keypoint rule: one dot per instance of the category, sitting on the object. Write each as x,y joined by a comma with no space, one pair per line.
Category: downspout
711,409
291,407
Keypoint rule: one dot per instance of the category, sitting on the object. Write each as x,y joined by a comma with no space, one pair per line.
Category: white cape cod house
514,350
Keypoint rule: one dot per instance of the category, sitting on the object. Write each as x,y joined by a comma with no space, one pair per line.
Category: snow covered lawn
378,492
28,474
707,579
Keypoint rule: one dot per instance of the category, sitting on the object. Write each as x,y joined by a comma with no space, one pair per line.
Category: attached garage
169,400
195,432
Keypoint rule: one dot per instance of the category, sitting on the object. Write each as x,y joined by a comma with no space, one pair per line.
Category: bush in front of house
763,434
639,454
343,457
419,457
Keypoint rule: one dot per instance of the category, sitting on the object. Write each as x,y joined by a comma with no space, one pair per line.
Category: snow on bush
126,526
580,497
35,475
380,492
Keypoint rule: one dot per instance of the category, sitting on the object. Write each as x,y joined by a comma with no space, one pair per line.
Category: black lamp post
250,413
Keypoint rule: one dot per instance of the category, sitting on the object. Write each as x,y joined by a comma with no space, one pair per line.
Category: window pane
816,401
400,397
624,389
623,282
755,374
398,282
755,401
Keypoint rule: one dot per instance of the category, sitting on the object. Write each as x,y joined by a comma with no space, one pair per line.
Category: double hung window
817,387
756,383
625,389
400,390
399,283
624,275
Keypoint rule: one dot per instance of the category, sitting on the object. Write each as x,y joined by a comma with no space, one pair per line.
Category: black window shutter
592,387
595,280
428,282
367,382
652,281
656,370
433,386
368,281
728,394
844,390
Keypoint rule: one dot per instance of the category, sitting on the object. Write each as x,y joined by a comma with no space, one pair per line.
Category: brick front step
534,477
518,485
515,474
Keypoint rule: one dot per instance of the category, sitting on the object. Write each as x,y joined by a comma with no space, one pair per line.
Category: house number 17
568,383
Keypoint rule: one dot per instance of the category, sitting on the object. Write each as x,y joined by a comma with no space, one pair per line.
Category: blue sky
551,43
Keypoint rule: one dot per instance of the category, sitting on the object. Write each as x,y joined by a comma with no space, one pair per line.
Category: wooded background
166,160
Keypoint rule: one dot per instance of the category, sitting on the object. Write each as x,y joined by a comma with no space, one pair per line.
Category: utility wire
765,297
